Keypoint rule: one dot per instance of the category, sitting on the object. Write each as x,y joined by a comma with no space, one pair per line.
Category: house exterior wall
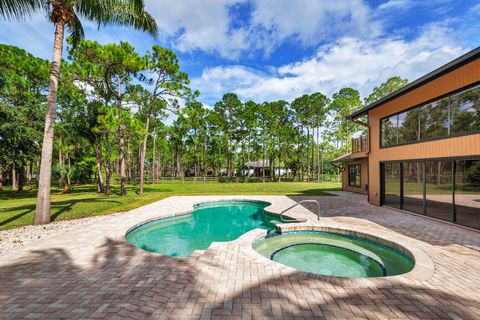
363,162
467,145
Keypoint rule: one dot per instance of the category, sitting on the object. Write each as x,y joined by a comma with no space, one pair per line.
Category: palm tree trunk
142,154
42,210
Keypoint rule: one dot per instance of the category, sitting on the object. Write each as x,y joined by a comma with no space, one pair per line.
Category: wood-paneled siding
468,145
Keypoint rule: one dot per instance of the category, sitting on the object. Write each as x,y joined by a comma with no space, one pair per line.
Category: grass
17,209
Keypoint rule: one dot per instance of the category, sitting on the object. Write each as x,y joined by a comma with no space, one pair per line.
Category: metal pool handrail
299,203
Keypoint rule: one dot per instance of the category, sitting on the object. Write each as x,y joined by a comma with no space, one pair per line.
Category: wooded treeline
111,123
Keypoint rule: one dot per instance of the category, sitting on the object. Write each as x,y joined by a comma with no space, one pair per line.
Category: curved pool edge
191,210
422,270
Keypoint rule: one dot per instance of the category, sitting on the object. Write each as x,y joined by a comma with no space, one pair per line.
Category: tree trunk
99,166
154,165
29,176
229,168
319,171
143,152
1,180
21,174
42,210
108,167
264,155
243,155
121,163
279,160
129,161
313,154
69,182
60,163
248,156
14,179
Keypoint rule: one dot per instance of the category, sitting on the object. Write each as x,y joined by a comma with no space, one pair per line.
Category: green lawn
17,209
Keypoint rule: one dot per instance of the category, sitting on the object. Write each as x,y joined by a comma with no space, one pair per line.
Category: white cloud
206,25
312,22
396,4
355,62
198,25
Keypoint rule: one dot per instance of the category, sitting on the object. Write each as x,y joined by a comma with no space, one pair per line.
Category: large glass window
435,119
389,131
439,193
467,193
465,111
392,184
413,186
354,175
457,114
409,124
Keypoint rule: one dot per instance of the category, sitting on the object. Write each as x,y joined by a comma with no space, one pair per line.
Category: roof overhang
351,157
457,63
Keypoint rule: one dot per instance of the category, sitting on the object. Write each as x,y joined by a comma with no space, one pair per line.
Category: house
422,152
255,168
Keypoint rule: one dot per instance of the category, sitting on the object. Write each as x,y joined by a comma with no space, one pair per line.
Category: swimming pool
334,254
209,222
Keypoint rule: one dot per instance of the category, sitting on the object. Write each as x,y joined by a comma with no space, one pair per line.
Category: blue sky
280,49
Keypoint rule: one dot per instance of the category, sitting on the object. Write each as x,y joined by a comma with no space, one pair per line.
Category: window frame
358,172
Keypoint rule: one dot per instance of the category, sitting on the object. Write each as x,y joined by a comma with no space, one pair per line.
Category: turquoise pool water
334,254
209,222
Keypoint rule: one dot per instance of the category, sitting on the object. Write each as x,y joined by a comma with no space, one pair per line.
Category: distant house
255,168
422,153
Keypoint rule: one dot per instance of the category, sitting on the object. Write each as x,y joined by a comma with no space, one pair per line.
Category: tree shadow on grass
15,195
315,192
58,207
119,281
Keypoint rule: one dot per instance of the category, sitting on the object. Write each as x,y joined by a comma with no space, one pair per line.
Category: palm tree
66,13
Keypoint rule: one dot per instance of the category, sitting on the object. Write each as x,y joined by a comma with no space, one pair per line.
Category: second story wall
457,146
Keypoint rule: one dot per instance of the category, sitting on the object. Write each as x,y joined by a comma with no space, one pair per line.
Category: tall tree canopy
65,14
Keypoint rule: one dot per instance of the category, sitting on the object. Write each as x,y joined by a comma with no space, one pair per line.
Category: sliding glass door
413,187
392,184
439,189
443,189
467,193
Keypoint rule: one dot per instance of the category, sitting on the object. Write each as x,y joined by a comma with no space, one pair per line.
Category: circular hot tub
335,254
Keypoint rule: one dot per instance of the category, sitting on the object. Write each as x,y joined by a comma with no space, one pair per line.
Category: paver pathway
93,273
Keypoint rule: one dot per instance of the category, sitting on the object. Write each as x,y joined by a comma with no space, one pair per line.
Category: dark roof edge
452,65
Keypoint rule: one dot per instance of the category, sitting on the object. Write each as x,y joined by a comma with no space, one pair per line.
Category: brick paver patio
93,273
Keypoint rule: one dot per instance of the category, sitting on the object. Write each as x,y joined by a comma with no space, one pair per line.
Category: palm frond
118,12
21,9
75,29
